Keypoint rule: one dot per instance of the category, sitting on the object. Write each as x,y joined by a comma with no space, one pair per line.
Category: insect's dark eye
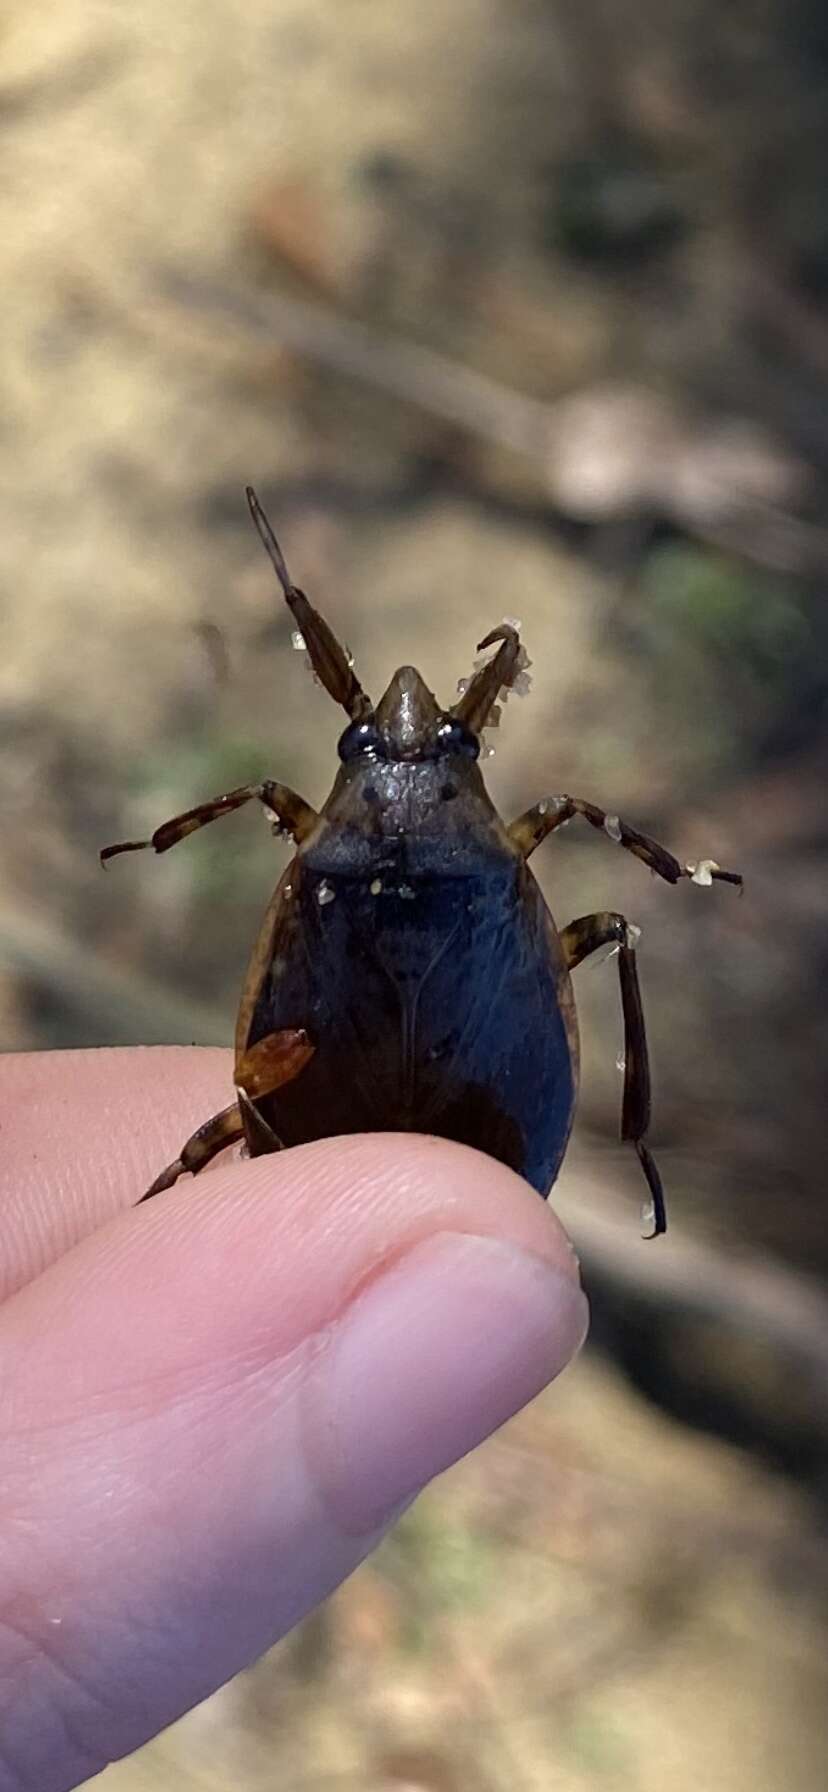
361,741
452,737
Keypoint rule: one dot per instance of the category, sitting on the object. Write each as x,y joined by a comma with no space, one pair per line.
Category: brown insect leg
483,690
275,1060
579,939
224,1129
292,816
329,660
531,828
261,1069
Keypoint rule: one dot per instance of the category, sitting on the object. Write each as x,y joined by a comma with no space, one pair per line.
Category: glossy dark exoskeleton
408,975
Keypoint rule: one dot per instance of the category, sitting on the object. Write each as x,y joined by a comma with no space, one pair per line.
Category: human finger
85,1132
213,1406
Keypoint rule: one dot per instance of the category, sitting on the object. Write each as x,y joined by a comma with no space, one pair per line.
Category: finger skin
85,1132
212,1406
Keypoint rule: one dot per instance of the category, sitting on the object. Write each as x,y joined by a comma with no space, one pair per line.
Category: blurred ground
225,237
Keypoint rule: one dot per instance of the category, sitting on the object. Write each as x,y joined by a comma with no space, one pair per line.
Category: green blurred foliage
742,647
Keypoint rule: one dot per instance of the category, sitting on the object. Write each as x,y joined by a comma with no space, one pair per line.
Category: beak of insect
407,714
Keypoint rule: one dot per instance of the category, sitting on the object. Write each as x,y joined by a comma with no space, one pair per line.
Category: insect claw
331,665
483,690
653,1212
270,543
505,631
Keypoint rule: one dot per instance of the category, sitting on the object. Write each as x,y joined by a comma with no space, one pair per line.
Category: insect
408,975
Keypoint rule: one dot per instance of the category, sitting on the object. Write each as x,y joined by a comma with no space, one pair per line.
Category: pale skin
214,1405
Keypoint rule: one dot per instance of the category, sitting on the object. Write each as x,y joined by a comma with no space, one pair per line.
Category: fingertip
85,1132
249,1375
435,1354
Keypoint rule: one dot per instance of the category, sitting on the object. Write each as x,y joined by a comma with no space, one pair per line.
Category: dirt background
504,308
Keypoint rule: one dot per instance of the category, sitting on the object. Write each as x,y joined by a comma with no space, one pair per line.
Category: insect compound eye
361,741
454,737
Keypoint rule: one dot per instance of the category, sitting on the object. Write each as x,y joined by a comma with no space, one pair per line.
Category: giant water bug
409,976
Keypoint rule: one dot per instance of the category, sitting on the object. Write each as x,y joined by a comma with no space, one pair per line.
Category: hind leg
579,939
